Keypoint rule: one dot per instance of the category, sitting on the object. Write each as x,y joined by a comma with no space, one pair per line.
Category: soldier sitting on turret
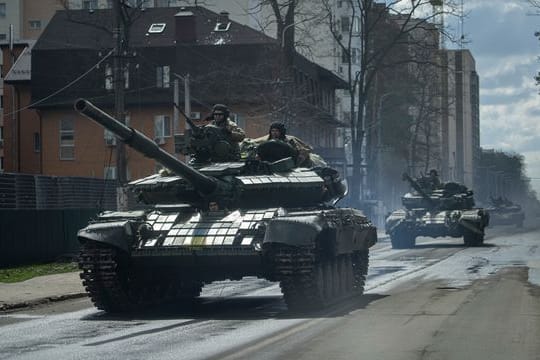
220,118
434,180
302,156
218,141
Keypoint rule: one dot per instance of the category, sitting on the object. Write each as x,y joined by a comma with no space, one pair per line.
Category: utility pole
119,101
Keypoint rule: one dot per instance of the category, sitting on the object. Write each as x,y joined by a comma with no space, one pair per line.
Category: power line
62,89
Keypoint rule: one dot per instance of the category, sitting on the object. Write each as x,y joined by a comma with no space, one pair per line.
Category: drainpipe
40,115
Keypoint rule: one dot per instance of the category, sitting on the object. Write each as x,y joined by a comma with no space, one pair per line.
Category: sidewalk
40,290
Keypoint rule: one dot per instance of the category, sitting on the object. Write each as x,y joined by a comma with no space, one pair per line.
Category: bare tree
388,37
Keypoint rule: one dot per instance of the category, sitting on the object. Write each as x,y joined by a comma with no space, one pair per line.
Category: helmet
433,172
279,126
220,108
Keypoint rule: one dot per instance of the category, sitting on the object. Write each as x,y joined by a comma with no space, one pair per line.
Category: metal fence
40,215
20,191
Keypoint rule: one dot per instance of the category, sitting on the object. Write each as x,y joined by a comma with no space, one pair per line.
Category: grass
22,273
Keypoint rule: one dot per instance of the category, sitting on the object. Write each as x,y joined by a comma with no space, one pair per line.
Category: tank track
106,276
308,283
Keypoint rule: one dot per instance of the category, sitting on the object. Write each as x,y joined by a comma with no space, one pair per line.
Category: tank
224,220
504,212
436,211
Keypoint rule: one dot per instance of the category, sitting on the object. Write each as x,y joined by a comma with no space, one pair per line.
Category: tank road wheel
309,284
473,238
103,276
402,239
114,287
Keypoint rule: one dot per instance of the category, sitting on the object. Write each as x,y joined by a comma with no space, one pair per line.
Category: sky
500,35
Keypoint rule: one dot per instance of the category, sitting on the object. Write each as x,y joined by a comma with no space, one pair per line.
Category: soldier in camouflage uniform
278,131
220,118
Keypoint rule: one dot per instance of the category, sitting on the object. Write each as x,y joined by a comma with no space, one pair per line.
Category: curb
6,308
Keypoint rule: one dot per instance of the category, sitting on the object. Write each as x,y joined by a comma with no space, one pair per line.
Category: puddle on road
375,271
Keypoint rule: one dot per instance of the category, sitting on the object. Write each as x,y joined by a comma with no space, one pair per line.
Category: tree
504,175
125,13
391,35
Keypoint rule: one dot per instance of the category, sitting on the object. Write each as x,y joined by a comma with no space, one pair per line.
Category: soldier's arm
237,133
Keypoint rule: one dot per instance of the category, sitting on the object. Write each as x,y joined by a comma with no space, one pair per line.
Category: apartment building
461,119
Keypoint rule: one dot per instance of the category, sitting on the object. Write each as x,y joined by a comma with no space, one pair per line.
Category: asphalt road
439,300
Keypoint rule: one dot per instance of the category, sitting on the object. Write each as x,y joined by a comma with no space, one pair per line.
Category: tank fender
115,233
294,231
478,216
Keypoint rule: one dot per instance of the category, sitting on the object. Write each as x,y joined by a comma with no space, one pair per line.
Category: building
21,140
226,62
461,119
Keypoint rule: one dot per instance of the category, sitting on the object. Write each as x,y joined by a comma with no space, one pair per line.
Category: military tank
504,212
217,221
444,210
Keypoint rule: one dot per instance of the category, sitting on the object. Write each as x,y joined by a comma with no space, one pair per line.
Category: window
163,76
345,57
222,26
345,24
355,57
2,10
126,77
89,4
239,120
3,37
67,139
108,77
109,173
162,128
156,28
35,24
356,24
37,142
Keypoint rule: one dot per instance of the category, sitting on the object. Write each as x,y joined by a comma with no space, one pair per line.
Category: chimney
223,17
186,26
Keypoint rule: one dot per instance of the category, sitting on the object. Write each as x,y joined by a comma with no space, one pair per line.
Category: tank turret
224,220
252,183
420,190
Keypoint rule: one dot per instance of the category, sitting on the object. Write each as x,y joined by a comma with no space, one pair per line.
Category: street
439,300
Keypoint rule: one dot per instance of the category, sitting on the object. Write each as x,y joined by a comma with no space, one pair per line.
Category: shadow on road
448,246
236,308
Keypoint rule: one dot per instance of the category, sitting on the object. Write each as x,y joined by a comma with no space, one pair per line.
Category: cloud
498,27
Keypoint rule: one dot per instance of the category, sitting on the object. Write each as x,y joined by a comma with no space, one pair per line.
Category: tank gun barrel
146,146
418,188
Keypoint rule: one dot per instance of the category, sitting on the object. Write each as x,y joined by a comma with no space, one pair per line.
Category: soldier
278,131
220,118
218,140
434,180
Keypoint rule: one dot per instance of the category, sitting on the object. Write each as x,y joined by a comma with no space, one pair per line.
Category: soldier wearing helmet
220,118
434,180
278,131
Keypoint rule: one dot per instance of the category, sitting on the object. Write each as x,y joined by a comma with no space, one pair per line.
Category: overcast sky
501,39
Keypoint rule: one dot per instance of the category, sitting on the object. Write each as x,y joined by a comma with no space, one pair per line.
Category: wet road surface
439,300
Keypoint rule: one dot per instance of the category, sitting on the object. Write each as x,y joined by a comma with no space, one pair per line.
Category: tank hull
134,259
405,225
